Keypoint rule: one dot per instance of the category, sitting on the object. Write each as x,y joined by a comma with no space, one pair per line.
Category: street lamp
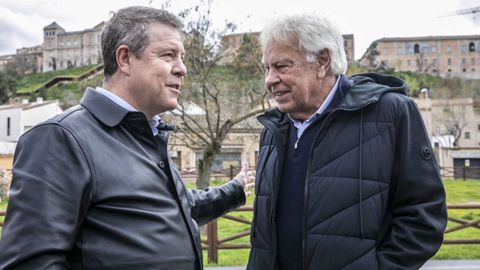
425,91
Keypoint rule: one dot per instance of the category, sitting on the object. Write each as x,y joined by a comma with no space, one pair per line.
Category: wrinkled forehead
276,49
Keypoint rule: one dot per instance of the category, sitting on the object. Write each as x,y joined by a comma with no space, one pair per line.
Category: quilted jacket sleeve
213,202
49,194
418,211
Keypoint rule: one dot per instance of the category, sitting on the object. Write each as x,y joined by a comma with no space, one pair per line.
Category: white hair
314,33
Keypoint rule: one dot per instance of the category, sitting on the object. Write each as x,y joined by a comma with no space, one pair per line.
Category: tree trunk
203,173
204,165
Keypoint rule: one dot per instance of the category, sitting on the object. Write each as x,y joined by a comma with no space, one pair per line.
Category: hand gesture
246,178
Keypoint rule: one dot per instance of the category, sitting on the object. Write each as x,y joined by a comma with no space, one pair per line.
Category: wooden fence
460,172
464,224
213,244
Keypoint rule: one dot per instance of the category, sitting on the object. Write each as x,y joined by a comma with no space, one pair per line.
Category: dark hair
129,26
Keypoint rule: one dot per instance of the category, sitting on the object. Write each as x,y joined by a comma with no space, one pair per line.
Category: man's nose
179,69
271,78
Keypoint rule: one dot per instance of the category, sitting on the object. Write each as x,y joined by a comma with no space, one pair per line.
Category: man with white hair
346,177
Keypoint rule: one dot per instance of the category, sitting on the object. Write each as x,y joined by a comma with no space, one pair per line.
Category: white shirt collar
122,103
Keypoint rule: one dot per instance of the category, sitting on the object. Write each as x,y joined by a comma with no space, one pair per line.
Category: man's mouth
280,93
174,85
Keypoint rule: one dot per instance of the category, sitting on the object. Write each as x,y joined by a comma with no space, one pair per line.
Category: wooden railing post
212,241
231,172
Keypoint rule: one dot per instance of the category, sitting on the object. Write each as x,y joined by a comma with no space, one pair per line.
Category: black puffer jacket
373,194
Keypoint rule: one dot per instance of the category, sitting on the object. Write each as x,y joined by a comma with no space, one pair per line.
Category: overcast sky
22,21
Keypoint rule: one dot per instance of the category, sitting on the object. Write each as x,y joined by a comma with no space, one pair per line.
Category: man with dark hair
94,187
346,177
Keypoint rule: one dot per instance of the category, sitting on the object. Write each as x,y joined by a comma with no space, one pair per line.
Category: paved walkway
431,265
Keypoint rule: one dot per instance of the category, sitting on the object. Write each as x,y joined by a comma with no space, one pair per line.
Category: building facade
71,49
445,56
17,118
454,128
7,62
29,59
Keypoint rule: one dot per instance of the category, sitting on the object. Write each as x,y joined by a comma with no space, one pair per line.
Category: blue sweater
291,198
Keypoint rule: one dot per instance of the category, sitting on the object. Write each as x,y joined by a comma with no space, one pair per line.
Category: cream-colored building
447,116
231,44
64,49
29,59
240,145
444,118
445,56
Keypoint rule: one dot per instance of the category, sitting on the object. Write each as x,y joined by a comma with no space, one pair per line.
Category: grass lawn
457,192
30,82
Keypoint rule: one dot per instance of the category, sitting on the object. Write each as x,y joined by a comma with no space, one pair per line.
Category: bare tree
227,94
454,120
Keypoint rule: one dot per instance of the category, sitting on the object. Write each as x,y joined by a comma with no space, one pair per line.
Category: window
399,51
425,62
385,51
471,47
409,63
472,61
434,61
8,126
449,61
425,49
467,135
449,49
416,48
408,49
478,127
434,49
464,61
463,48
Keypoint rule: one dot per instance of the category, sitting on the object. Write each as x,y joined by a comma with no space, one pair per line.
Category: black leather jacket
374,198
92,188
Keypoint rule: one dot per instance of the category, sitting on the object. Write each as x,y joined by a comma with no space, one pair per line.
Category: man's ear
123,56
323,60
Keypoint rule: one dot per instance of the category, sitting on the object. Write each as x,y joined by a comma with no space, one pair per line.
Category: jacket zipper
273,205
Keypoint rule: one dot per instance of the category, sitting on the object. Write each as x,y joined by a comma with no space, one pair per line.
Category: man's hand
246,178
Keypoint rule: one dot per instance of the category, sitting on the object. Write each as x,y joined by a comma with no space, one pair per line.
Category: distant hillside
439,88
68,92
